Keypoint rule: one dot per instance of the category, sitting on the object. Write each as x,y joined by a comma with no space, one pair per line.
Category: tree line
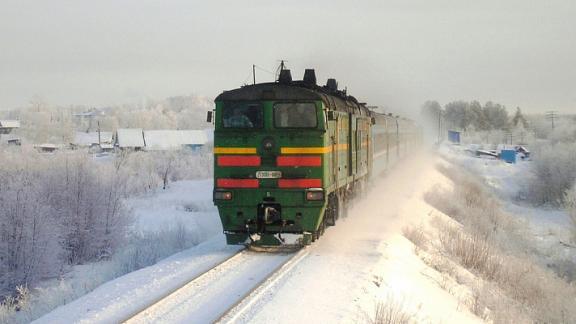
464,115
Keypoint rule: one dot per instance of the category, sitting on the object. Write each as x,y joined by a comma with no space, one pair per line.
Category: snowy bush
56,210
564,127
149,170
63,209
392,310
492,245
139,251
570,203
554,167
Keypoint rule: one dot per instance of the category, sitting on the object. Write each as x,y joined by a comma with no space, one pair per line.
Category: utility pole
552,115
254,72
510,138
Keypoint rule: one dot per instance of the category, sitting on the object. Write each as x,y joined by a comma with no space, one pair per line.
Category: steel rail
172,291
248,299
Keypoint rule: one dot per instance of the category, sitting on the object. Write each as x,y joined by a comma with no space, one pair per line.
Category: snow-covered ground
510,182
166,221
365,260
355,265
184,203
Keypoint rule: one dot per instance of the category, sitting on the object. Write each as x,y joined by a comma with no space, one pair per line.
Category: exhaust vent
309,77
332,85
285,76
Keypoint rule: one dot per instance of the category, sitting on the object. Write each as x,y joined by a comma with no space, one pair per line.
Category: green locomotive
289,155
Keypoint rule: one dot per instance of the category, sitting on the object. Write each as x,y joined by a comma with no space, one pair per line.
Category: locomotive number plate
268,174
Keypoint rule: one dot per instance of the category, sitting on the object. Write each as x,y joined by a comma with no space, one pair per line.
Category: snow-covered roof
173,139
209,134
87,139
130,137
6,137
47,145
9,123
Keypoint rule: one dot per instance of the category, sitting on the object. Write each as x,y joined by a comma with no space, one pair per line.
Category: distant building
6,126
454,137
130,138
161,140
83,139
10,139
106,147
46,147
89,114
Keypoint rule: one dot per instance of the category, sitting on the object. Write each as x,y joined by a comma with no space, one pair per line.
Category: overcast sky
389,53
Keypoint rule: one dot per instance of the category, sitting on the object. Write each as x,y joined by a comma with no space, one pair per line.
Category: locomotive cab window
295,115
242,115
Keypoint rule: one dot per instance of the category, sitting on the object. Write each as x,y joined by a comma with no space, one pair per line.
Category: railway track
224,293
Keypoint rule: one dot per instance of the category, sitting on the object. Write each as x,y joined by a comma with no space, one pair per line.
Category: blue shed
508,156
454,137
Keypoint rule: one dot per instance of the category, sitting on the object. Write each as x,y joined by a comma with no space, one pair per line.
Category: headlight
315,194
222,195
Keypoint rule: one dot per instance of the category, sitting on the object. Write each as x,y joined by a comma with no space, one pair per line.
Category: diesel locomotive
289,155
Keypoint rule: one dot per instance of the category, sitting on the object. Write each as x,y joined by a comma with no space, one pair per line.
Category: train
290,155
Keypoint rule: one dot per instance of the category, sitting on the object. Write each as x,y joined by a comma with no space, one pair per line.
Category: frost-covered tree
555,171
56,210
430,111
570,204
457,114
519,119
479,121
496,115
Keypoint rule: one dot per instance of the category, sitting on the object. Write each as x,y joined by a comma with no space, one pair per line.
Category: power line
264,70
552,115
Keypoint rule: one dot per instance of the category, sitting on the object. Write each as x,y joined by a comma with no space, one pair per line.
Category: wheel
320,231
331,212
322,227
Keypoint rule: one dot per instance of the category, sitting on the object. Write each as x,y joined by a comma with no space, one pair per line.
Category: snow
203,300
340,279
130,137
120,298
549,226
336,282
173,139
9,124
187,203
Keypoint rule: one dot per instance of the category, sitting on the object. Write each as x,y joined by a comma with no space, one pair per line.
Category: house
130,138
159,140
106,147
91,139
46,147
6,126
10,139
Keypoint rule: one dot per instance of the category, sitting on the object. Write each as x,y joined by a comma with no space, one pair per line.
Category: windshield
242,115
295,115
